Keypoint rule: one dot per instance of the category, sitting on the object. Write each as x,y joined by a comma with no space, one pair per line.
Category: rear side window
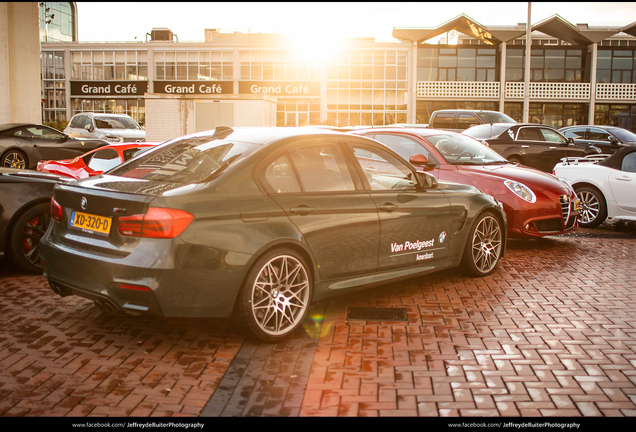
529,134
464,121
495,117
78,122
576,133
629,163
443,121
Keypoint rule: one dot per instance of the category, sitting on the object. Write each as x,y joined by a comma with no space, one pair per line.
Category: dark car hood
533,178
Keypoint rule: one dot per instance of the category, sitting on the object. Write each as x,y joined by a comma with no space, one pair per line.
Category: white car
113,128
606,188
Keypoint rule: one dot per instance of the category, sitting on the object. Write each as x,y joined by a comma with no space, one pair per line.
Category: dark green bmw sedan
258,223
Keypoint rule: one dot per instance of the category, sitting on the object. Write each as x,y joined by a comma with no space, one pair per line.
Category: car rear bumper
122,285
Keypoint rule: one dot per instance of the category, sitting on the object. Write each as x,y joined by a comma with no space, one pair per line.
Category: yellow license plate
91,223
577,205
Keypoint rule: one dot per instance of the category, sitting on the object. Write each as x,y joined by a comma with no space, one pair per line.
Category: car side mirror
613,140
426,180
89,128
419,160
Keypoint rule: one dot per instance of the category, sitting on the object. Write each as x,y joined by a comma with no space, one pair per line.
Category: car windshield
462,150
192,160
623,135
116,123
495,117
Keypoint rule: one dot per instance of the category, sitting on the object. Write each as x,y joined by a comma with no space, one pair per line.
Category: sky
130,21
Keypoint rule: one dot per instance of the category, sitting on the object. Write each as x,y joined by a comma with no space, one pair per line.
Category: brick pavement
550,333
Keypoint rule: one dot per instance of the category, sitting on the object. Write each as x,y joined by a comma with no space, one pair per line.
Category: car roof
8,126
466,110
615,160
259,135
413,130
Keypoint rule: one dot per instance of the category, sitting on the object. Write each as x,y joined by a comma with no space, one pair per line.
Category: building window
546,64
557,115
53,86
194,65
276,65
620,115
367,88
300,112
457,64
109,65
57,22
616,66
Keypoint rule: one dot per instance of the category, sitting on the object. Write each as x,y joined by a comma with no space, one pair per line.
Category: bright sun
316,47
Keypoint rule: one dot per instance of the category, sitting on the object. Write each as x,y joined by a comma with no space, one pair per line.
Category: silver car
109,127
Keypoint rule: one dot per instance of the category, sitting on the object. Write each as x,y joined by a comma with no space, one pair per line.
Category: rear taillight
156,223
484,142
56,210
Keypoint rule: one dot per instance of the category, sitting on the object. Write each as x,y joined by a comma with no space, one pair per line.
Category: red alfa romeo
537,204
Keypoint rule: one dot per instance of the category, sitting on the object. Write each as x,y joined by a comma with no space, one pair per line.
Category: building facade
579,75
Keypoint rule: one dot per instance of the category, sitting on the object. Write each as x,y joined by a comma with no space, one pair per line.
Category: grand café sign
109,88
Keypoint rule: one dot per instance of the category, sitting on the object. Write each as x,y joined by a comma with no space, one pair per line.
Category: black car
537,146
259,222
22,145
25,202
607,138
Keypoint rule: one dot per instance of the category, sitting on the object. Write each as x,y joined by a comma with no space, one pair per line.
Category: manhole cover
377,314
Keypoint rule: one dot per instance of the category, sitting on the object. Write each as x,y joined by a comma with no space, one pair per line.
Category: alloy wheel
590,207
280,295
486,244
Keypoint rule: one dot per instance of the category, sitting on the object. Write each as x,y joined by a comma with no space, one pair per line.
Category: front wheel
593,209
483,249
275,296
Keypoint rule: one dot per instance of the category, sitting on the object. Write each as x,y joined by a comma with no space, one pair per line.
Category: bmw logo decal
442,237
83,203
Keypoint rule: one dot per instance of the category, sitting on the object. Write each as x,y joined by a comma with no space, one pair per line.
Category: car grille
548,225
565,207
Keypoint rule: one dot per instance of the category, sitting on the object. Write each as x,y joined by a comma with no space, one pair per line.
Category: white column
502,80
526,86
412,116
590,114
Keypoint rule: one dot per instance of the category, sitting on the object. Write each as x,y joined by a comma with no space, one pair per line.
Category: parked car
259,222
22,145
25,203
536,203
534,145
110,127
94,162
458,120
607,187
607,138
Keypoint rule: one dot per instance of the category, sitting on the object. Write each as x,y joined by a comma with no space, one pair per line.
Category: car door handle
302,210
388,207
525,146
552,148
623,178
36,146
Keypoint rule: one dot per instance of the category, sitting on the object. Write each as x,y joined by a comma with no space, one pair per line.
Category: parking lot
551,333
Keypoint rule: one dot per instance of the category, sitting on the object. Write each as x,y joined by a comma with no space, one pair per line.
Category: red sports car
537,204
96,161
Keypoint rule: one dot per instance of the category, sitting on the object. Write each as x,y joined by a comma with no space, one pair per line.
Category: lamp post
526,87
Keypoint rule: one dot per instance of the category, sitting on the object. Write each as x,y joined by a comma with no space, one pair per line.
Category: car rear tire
593,208
484,246
14,159
24,239
275,296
